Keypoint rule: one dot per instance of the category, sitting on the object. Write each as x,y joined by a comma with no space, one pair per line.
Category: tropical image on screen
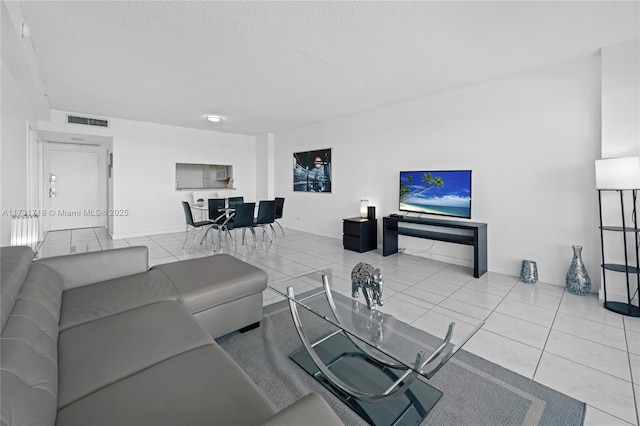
446,192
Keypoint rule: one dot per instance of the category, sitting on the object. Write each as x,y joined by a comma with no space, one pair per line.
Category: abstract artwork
312,171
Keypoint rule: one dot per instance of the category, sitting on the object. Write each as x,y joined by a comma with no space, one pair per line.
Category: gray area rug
476,391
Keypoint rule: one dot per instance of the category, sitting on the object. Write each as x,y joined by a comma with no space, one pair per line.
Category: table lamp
364,204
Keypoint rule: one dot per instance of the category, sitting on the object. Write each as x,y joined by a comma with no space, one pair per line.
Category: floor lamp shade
618,173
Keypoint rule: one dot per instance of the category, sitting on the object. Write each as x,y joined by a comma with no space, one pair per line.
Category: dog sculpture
370,279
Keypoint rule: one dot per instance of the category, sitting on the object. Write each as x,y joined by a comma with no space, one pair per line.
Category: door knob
52,193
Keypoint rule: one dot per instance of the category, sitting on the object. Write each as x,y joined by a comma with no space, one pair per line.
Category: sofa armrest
87,268
309,411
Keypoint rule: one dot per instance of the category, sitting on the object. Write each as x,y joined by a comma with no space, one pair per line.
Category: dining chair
243,218
233,201
202,225
279,210
217,211
219,218
266,217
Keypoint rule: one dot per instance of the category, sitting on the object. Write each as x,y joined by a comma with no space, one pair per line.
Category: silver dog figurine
370,279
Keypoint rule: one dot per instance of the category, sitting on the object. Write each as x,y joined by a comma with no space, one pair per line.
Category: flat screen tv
439,192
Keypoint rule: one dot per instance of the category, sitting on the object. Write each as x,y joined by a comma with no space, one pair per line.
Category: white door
75,198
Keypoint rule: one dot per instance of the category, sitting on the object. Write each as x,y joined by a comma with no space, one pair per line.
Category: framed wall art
312,171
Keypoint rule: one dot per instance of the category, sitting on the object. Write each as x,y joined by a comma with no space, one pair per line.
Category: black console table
443,230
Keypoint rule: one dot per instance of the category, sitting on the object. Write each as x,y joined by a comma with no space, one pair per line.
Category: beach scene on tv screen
436,192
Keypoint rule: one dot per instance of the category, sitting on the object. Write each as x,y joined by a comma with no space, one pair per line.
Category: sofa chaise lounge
101,339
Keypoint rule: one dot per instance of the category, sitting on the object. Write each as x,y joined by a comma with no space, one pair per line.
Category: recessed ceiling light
213,118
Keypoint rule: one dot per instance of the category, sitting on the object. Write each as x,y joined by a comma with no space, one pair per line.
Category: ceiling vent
87,121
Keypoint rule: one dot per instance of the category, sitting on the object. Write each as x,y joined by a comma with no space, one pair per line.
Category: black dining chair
219,218
243,219
279,210
217,210
266,217
233,201
202,225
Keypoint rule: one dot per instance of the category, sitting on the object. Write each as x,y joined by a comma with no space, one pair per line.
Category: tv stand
451,231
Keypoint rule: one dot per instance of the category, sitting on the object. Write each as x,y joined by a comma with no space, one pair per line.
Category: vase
529,272
578,281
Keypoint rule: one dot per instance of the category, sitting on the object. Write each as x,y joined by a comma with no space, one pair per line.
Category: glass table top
423,347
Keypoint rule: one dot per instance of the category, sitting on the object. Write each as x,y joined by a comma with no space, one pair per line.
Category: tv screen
441,192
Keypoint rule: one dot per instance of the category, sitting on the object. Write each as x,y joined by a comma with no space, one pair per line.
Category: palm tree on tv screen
428,182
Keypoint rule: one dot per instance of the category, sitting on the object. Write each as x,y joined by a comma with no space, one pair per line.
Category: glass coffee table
376,364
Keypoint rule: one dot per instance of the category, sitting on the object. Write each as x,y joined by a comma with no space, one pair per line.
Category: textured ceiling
270,66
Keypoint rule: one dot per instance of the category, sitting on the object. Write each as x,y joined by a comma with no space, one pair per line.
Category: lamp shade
364,204
618,173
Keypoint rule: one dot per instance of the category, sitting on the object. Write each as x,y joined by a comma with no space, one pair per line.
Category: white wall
621,100
16,116
530,140
262,166
144,158
22,105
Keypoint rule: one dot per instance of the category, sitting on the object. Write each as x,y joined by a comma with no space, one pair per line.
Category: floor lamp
621,174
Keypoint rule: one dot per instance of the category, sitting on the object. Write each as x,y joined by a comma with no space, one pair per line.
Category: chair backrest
216,207
266,212
279,207
234,201
244,215
187,213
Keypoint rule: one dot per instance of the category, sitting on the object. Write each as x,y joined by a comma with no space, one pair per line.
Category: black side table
360,234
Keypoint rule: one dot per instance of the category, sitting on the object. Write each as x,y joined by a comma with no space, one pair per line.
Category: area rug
476,391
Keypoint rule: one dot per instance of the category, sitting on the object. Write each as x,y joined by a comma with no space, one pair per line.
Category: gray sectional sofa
101,339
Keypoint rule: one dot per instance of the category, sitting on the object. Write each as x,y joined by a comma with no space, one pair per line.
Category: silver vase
529,272
578,281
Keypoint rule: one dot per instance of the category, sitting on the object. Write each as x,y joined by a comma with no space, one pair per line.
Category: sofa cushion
95,301
29,350
206,282
29,380
36,312
14,266
203,386
87,268
98,353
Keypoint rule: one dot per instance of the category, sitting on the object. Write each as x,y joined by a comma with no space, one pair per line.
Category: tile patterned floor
567,342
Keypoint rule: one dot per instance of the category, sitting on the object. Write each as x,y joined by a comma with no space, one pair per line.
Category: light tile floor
567,342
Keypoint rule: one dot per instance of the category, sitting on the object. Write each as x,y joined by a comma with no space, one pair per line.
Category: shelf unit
627,268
